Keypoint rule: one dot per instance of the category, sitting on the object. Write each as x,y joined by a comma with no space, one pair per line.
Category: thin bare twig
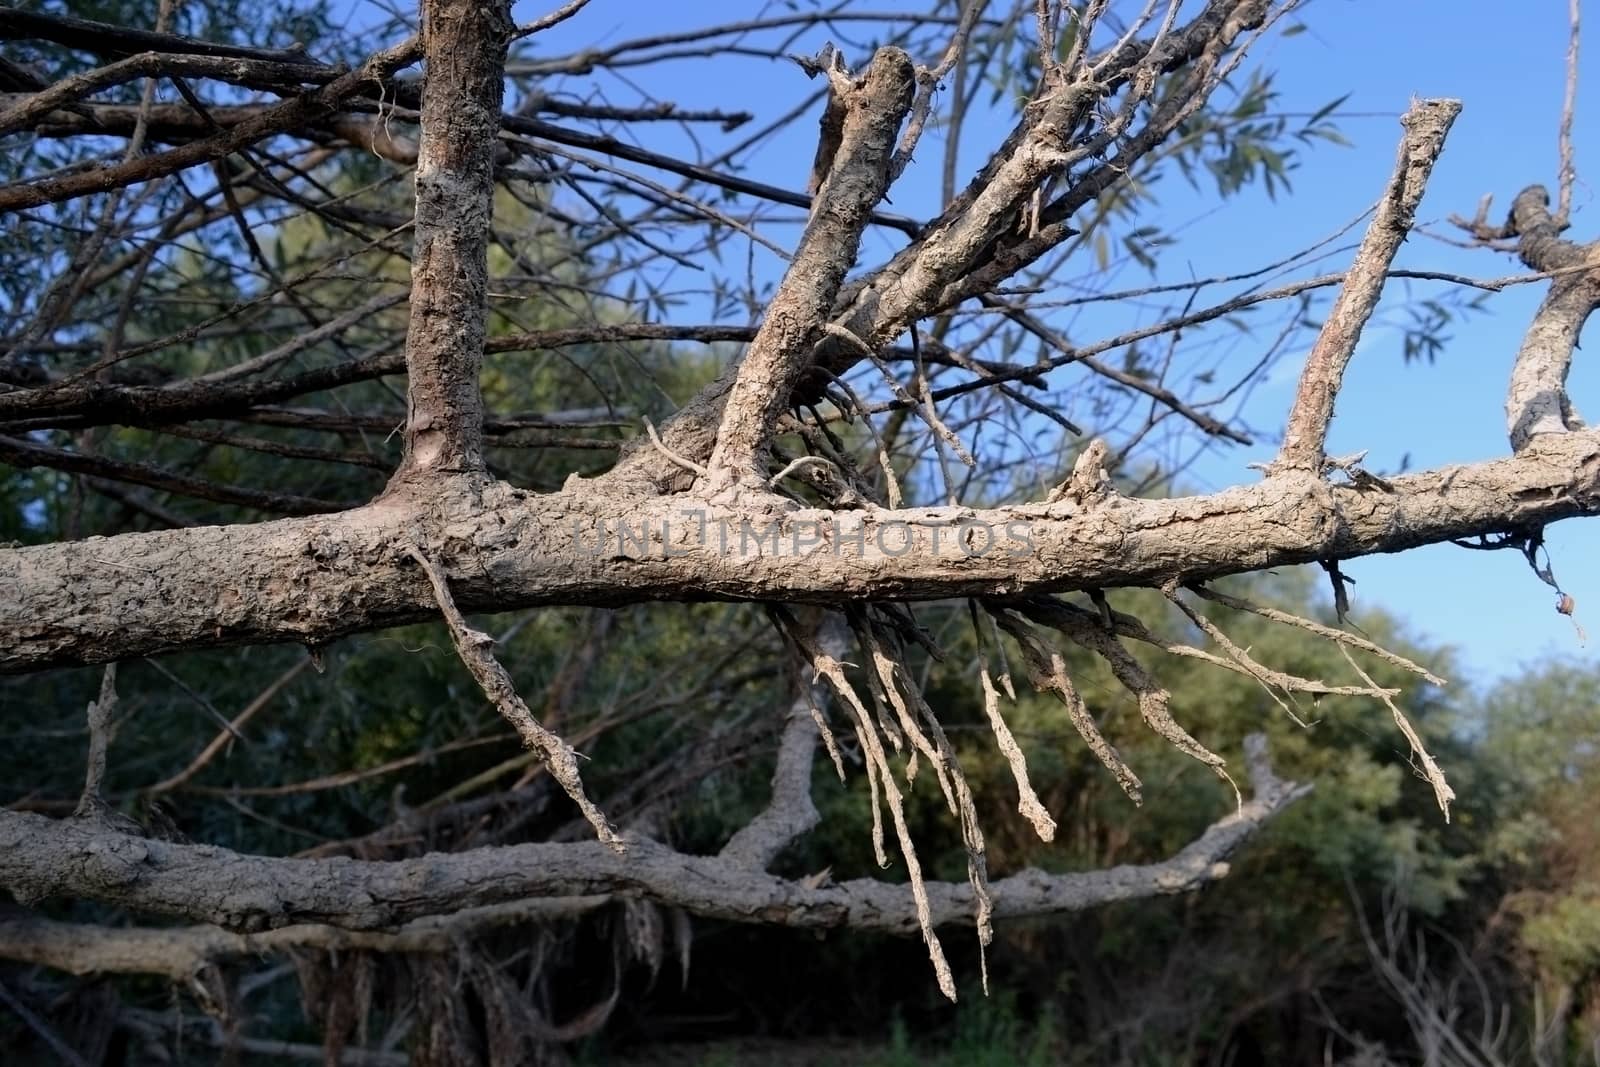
473,648
1154,701
67,1054
1430,769
554,18
1569,107
1329,633
928,79
687,464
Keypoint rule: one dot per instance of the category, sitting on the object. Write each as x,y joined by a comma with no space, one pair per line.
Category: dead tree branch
1427,123
41,857
465,49
856,178
146,593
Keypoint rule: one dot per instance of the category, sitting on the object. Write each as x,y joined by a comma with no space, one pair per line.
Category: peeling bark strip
315,579
856,180
1426,123
42,857
464,45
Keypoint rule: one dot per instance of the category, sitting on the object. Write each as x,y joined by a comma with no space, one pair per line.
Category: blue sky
1504,61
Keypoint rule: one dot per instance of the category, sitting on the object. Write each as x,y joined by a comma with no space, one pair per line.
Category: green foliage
987,1032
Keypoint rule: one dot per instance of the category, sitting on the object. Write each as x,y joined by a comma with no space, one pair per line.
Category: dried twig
1069,618
473,648
687,464
544,22
1569,107
1234,652
1154,701
229,732
1430,769
928,79
880,777
1329,633
894,673
1028,803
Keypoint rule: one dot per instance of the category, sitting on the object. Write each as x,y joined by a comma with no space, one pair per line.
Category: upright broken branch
857,176
1426,124
1536,399
102,716
464,46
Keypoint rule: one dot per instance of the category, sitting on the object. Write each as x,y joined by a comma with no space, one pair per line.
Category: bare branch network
782,482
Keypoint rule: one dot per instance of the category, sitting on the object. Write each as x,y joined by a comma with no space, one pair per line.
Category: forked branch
856,176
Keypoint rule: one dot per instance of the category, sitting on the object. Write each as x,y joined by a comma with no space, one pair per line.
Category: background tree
868,451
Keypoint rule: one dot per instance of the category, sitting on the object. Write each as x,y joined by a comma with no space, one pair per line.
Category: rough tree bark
696,512
315,579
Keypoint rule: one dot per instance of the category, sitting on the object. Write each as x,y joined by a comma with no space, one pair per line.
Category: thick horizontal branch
42,857
180,953
23,112
314,579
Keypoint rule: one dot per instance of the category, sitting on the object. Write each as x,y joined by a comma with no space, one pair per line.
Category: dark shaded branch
42,857
91,402
23,455
292,114
22,112
110,40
